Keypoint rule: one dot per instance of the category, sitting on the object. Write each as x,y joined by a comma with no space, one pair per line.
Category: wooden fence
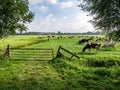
61,48
42,54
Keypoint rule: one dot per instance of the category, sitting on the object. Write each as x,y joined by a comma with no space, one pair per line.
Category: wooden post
8,51
58,52
70,53
71,56
52,53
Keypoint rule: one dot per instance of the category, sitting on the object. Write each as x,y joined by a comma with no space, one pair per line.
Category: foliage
115,34
106,13
13,15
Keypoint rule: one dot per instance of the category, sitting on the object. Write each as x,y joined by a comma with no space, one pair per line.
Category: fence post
58,52
8,51
52,53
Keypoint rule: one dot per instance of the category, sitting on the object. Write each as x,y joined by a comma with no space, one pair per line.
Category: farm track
30,44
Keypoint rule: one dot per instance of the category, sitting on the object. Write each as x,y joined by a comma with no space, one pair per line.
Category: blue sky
58,15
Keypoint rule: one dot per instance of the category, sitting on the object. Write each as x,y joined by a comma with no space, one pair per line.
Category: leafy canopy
106,14
14,14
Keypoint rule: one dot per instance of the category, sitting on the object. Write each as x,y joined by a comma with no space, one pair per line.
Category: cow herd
95,42
95,45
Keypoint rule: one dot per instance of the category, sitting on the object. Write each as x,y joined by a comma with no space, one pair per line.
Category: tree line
62,33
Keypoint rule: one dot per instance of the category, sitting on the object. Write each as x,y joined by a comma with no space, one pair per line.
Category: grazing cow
48,36
58,37
92,45
53,36
110,43
85,40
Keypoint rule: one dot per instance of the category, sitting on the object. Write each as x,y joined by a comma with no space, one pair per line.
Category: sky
58,15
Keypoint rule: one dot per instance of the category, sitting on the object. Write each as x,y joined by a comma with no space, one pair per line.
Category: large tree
14,14
106,14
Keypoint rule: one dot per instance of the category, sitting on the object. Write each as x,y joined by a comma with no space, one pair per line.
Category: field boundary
59,53
39,54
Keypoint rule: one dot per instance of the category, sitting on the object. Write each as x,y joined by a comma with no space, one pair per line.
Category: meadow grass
91,72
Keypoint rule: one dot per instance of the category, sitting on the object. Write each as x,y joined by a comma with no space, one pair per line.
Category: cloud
55,19
50,18
42,8
53,1
33,2
52,24
65,17
66,4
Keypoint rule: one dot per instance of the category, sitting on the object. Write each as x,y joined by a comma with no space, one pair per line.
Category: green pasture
19,41
92,71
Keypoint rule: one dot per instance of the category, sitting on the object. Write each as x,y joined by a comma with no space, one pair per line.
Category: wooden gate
42,54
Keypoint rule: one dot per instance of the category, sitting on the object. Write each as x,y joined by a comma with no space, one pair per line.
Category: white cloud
33,2
42,8
50,18
53,1
76,22
51,24
65,17
66,4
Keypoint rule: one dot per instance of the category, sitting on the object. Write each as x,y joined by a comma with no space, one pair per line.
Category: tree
106,14
59,32
14,14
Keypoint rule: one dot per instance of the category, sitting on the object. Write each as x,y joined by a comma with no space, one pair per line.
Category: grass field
93,71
